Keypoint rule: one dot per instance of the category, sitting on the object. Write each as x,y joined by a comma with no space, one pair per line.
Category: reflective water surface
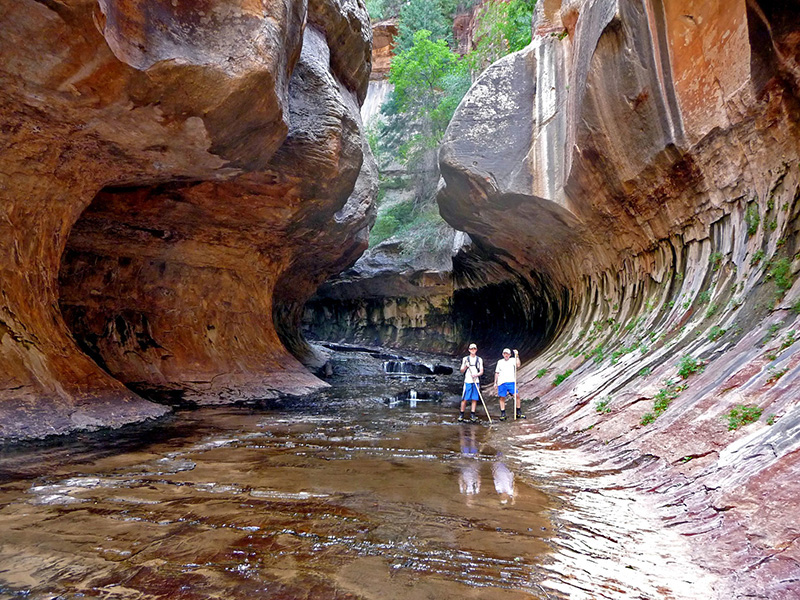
354,493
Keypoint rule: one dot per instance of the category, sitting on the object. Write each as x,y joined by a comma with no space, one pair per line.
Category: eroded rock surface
189,133
389,298
653,200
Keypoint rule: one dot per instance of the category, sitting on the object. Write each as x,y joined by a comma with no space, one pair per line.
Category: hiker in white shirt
505,381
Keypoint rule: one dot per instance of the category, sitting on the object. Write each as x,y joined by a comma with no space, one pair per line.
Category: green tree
518,24
429,81
375,8
417,15
383,9
500,28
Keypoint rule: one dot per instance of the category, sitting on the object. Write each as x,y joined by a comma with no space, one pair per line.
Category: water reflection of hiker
505,381
503,481
469,479
472,367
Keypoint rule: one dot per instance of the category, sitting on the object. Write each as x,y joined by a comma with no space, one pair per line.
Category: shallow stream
355,492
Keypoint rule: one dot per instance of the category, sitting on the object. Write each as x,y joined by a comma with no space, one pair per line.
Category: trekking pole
478,387
515,387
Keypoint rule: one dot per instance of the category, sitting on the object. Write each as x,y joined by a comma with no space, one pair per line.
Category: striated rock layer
159,157
390,297
638,167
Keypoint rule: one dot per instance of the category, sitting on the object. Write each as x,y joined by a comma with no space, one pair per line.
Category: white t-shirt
473,369
505,370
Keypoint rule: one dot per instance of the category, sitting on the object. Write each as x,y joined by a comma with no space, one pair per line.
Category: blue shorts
506,388
470,392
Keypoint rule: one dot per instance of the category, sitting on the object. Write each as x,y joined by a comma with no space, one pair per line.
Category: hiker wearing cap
472,367
505,381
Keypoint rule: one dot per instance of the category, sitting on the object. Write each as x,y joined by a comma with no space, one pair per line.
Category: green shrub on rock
741,415
688,366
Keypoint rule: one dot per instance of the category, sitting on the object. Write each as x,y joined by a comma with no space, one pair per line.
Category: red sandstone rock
653,197
138,99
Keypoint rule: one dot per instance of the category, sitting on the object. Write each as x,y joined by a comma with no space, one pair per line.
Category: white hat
506,350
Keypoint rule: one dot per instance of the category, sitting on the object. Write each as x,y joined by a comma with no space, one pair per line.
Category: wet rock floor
352,493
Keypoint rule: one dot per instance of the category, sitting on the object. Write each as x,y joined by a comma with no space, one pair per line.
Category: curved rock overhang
652,151
191,139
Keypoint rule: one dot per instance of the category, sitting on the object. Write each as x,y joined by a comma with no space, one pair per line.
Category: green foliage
781,271
601,406
788,340
561,377
517,27
795,308
662,400
645,371
688,366
716,261
752,218
741,415
715,333
500,28
620,352
647,418
773,374
634,324
419,15
385,227
596,353
771,419
375,9
541,373
429,81
391,220
704,297
383,9
773,225
712,310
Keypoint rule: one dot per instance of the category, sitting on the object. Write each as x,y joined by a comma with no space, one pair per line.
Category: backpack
478,363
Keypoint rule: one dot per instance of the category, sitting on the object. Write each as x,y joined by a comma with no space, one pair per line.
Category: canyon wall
638,167
175,182
400,293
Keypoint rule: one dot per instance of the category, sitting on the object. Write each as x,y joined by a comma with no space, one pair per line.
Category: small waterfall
403,367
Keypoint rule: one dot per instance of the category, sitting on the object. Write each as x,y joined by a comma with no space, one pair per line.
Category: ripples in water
330,500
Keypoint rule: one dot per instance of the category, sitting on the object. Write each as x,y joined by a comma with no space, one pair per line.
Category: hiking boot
474,419
461,419
520,415
503,417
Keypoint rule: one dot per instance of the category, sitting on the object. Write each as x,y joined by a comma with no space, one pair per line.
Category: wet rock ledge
175,183
638,168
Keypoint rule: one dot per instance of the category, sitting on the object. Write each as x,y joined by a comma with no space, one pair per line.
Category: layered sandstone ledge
192,174
652,202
